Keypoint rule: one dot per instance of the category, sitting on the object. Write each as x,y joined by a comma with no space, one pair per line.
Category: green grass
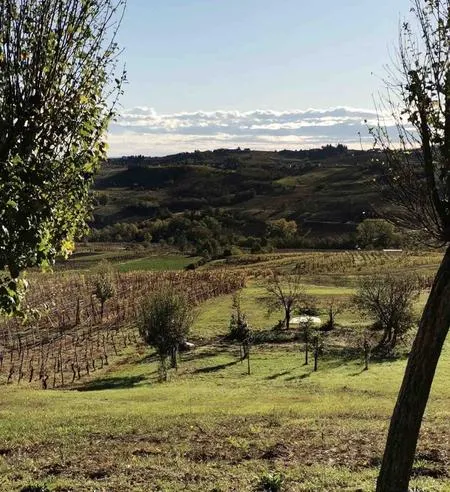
125,258
213,427
157,263
214,317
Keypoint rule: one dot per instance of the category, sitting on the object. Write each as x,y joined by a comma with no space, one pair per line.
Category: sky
264,74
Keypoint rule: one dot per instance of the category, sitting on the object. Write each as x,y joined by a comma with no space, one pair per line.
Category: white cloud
142,130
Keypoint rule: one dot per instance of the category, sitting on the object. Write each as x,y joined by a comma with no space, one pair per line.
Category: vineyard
212,423
424,263
67,333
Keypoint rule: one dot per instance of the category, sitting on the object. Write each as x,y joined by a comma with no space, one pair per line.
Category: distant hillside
325,191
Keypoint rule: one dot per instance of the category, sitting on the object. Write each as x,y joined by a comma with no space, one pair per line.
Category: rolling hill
326,191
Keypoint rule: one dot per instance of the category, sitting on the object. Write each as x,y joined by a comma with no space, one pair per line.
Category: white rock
314,320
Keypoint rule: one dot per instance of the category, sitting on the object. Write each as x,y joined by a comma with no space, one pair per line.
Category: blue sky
199,71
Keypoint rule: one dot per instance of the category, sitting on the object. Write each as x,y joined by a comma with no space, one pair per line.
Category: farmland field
157,263
213,427
126,260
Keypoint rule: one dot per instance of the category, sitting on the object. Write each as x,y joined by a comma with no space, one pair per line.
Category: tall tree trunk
408,412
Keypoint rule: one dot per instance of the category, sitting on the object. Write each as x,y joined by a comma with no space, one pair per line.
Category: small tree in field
164,322
390,301
239,329
307,331
317,343
286,293
104,284
366,351
334,307
58,90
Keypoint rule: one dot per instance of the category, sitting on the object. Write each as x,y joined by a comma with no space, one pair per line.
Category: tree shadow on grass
277,375
202,353
358,372
148,359
112,383
217,368
188,355
297,378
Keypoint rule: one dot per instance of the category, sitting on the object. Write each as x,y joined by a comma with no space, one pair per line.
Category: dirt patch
54,468
146,452
430,471
98,474
433,455
278,451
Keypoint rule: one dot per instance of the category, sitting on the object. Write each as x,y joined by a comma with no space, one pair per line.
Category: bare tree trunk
248,360
407,417
173,358
306,352
316,345
288,318
306,338
366,355
77,314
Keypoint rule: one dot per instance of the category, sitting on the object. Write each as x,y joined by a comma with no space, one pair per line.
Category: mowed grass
214,316
157,263
213,427
125,258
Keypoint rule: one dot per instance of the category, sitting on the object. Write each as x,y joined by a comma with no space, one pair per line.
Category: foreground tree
417,176
164,322
57,95
390,301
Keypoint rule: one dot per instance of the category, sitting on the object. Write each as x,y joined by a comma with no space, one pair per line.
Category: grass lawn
157,263
212,427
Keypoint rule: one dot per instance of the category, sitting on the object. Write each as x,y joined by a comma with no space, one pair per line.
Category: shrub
35,488
390,301
271,482
104,284
164,322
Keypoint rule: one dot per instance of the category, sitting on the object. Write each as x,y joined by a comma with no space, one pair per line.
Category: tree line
216,233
